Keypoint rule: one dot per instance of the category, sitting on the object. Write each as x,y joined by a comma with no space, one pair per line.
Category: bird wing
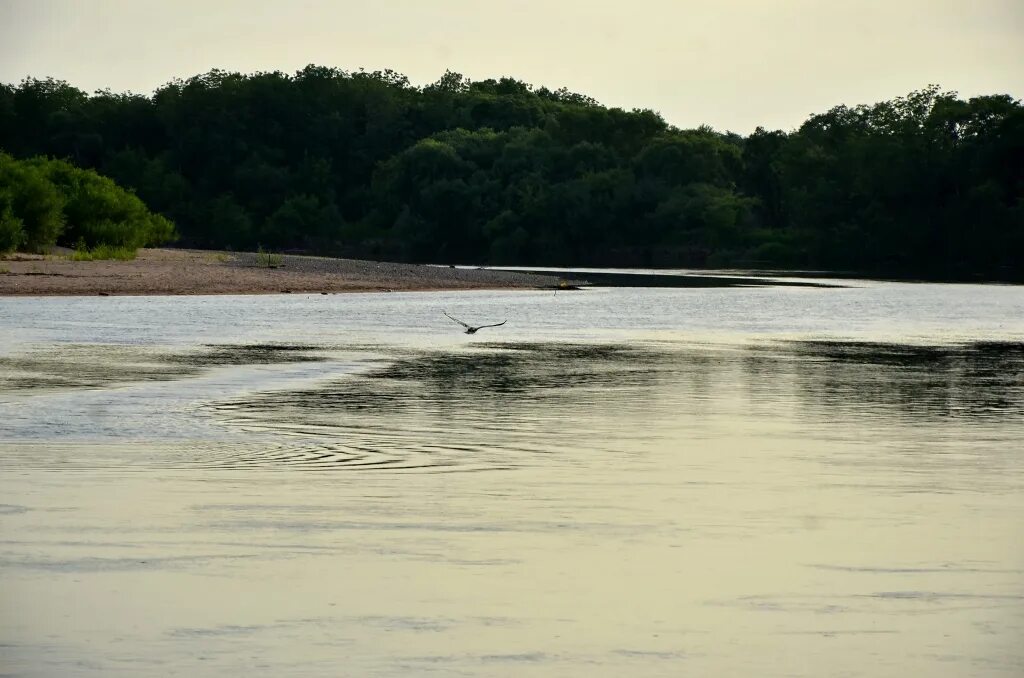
457,320
494,325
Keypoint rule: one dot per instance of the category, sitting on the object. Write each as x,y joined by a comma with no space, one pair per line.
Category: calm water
726,482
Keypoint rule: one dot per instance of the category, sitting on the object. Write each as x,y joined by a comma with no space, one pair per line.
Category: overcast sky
732,64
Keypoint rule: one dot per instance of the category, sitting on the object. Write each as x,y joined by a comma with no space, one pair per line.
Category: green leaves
34,202
365,164
48,202
12,229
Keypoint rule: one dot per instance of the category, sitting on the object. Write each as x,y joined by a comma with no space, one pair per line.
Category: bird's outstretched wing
458,321
494,325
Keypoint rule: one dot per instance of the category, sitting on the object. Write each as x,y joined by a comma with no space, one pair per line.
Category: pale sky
731,64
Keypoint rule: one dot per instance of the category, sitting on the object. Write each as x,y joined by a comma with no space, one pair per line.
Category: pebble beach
176,272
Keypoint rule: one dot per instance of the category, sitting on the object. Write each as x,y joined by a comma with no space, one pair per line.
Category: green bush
47,202
99,212
12,231
34,202
12,234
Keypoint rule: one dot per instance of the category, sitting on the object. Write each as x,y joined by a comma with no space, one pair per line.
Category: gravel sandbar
172,271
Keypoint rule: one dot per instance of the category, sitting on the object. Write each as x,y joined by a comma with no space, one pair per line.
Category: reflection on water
636,503
494,406
84,366
506,405
491,406
972,380
97,365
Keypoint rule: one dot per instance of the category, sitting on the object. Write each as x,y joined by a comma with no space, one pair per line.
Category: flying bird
469,328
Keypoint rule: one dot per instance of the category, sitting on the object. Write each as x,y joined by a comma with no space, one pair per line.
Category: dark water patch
219,631
580,351
497,370
971,381
85,366
946,568
417,662
119,564
649,654
263,508
299,525
489,407
939,596
394,623
832,633
769,603
1005,353
222,355
77,366
517,657
917,602
672,280
12,509
239,630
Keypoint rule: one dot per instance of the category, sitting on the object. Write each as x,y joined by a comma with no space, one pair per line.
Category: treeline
49,202
497,171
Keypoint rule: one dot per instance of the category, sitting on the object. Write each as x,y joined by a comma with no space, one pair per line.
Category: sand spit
172,271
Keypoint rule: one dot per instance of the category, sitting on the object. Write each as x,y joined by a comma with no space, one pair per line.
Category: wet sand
169,271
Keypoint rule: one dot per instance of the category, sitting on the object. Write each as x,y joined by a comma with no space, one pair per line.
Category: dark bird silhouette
469,328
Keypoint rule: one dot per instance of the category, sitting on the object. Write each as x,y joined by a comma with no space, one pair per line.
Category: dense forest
497,171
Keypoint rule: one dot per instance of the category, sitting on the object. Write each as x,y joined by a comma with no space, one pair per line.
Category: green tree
31,201
363,163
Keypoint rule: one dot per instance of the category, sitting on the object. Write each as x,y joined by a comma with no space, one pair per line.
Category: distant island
365,165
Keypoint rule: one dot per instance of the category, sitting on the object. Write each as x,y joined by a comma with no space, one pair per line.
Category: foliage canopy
497,171
50,202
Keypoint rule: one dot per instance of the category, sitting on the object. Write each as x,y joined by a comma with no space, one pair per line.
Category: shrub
47,202
102,252
99,212
268,259
33,201
12,232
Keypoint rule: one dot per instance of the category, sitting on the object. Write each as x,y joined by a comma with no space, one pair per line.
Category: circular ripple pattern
497,407
502,407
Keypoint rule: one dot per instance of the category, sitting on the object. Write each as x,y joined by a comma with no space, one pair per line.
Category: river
770,481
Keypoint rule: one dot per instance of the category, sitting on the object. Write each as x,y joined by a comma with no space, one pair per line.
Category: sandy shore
167,271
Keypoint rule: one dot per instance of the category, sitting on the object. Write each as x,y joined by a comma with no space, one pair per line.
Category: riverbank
174,272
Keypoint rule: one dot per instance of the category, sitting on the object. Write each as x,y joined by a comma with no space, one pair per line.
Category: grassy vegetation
268,259
103,252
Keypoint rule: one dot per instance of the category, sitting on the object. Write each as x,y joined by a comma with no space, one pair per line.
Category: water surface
745,481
